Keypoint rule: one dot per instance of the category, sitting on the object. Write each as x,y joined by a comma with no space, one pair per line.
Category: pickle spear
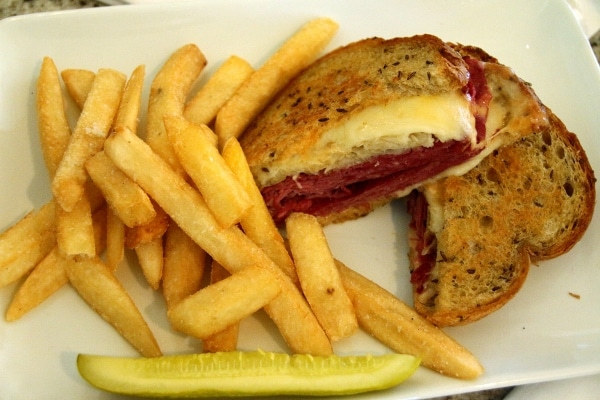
238,373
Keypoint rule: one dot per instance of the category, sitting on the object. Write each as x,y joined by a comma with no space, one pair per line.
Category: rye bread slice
528,201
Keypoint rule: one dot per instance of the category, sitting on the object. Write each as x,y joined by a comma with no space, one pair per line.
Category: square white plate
543,334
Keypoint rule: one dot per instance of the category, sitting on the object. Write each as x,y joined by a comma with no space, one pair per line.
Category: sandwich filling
423,246
433,132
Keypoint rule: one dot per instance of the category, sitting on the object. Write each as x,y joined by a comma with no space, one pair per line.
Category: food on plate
88,136
184,266
195,147
53,126
78,83
257,222
99,287
49,274
226,339
397,325
125,198
168,92
474,236
206,103
161,194
319,278
370,121
263,84
245,374
115,240
26,243
184,204
212,309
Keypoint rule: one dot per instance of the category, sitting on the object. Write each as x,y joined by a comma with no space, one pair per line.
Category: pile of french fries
179,193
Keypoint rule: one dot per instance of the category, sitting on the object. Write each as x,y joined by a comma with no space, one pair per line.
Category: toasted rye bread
320,137
528,201
339,85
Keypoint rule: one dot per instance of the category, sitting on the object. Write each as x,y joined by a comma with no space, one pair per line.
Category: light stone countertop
10,8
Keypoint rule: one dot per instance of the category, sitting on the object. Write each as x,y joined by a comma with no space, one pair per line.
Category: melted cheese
400,125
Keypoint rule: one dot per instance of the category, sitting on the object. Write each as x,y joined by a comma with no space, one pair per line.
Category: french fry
53,126
75,230
26,243
184,266
319,276
226,339
125,197
395,324
201,160
129,108
88,137
168,93
228,246
205,104
49,275
115,240
226,302
151,258
78,83
97,285
260,87
148,232
257,222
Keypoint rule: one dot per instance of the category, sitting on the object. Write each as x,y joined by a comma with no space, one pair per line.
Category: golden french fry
184,266
129,108
53,126
221,304
148,232
151,259
205,104
168,93
201,160
46,278
26,243
49,275
78,83
226,339
319,276
75,229
115,240
97,285
228,246
123,195
395,324
260,87
88,137
257,222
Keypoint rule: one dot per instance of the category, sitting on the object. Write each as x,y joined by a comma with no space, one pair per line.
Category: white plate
543,334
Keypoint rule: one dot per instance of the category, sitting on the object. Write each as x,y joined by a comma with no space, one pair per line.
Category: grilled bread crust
350,79
528,201
522,114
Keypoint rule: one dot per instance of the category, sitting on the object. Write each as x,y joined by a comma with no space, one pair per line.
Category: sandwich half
473,237
377,118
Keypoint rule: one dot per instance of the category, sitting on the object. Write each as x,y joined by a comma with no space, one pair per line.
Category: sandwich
473,237
375,119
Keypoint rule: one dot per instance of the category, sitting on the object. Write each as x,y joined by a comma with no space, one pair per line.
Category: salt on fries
183,197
